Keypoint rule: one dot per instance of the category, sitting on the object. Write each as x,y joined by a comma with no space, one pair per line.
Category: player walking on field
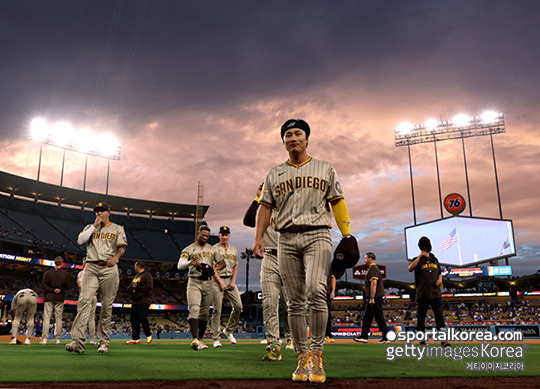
92,316
105,243
301,189
273,293
200,257
225,284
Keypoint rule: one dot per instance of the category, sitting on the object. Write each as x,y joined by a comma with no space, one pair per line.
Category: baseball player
92,317
54,283
105,243
271,284
301,189
141,296
24,301
373,307
225,284
330,297
199,257
428,281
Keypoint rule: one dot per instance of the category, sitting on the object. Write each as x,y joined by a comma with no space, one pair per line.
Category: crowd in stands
172,290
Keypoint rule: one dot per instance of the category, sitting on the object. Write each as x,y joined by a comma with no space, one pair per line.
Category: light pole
83,141
460,127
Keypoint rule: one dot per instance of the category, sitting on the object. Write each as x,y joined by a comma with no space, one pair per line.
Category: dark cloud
198,91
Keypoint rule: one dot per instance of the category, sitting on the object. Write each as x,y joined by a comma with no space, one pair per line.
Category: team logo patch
184,255
340,256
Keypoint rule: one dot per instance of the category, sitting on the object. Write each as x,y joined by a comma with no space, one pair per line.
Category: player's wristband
341,214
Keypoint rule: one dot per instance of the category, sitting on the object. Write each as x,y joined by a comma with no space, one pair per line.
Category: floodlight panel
404,128
39,129
489,117
85,141
463,241
431,124
108,145
62,134
461,120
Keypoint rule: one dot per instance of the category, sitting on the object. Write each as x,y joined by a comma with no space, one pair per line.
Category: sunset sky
197,91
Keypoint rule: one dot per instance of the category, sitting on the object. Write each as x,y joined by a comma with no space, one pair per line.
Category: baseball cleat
274,353
302,371
383,341
202,346
102,349
132,341
149,339
43,341
217,344
72,347
13,341
195,344
317,373
93,342
290,344
264,341
27,341
58,341
229,336
360,340
328,339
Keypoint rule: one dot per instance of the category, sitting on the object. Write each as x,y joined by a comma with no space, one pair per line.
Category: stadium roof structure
41,191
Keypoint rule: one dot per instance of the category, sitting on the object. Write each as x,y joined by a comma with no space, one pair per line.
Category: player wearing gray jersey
273,294
25,300
199,289
224,284
302,189
92,316
105,243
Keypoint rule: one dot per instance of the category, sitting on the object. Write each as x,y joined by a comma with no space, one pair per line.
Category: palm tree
247,254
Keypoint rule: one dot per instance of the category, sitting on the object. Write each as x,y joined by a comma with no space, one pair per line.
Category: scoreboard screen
463,241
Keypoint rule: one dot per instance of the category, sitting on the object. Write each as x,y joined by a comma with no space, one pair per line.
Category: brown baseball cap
224,230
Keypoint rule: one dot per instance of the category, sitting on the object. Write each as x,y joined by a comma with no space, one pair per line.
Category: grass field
166,360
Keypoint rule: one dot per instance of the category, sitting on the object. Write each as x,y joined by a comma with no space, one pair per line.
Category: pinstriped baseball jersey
205,254
270,237
105,241
230,255
19,296
301,193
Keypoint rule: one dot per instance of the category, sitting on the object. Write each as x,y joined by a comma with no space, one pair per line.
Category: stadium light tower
84,141
460,127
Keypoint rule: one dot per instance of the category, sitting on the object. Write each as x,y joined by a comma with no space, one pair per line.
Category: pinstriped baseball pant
95,278
236,302
26,303
304,263
272,290
199,298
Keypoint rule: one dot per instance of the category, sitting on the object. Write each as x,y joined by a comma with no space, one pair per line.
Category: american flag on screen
506,245
449,240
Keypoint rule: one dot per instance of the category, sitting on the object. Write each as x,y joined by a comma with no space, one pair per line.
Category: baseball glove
207,271
346,255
